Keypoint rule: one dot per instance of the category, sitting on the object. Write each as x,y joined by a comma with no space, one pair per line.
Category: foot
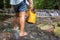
16,28
22,34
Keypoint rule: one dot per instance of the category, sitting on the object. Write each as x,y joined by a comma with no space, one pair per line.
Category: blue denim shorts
20,7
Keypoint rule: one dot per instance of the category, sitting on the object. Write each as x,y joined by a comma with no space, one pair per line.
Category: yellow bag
31,17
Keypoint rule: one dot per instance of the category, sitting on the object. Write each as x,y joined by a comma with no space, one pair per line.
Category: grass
57,31
44,27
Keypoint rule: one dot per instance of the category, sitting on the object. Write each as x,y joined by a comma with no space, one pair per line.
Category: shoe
16,28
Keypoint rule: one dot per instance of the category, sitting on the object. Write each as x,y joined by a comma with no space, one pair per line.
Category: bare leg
22,23
16,21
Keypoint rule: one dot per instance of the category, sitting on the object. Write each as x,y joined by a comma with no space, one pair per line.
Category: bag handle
32,10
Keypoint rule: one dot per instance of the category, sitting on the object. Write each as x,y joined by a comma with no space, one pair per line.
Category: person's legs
21,8
22,23
22,13
16,21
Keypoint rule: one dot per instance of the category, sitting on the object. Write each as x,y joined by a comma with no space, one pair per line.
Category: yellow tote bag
31,17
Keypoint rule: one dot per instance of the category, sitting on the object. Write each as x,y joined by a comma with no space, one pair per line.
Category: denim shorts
20,7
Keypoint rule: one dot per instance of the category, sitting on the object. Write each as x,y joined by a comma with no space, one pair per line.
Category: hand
31,7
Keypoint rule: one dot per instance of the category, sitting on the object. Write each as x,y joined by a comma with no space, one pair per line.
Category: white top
15,2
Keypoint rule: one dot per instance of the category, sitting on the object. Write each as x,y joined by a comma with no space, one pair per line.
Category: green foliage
58,3
49,4
1,3
38,4
44,4
58,24
7,3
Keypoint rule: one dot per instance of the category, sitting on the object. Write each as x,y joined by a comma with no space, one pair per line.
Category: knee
16,15
22,14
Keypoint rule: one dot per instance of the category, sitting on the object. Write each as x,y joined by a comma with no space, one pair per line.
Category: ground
34,33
